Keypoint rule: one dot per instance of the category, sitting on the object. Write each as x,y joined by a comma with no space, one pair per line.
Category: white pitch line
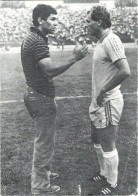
72,97
11,101
61,98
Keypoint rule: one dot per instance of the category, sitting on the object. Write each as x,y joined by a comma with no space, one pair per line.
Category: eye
54,18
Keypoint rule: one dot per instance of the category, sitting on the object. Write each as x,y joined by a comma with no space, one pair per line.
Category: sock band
111,164
97,146
110,154
99,152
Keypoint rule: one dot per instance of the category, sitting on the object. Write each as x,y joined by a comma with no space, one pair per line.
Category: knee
108,145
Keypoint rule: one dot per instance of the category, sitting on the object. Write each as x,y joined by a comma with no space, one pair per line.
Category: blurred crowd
124,22
15,24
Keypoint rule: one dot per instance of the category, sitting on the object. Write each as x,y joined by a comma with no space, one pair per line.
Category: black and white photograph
68,83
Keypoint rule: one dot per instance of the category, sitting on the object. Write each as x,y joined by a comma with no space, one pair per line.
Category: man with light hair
110,68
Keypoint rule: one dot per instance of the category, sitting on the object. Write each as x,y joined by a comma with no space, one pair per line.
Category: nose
86,25
55,23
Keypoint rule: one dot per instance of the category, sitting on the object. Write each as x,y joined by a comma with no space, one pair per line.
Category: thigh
107,115
116,108
39,105
94,134
43,110
108,137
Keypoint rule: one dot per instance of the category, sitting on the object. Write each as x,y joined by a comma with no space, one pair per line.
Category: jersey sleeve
115,49
40,50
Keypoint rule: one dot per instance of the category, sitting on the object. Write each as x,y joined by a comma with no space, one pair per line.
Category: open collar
36,30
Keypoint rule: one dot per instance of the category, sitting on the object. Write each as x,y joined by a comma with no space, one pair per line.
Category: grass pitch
75,159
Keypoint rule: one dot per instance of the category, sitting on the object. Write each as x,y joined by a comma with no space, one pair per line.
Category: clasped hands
80,51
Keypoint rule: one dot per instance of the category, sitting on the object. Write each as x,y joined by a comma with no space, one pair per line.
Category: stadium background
15,22
74,157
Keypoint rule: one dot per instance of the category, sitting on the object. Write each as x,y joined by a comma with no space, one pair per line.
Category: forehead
52,17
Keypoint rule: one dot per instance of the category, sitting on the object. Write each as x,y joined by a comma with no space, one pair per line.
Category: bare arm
121,75
52,70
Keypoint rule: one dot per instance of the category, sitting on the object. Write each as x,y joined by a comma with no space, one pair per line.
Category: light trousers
43,111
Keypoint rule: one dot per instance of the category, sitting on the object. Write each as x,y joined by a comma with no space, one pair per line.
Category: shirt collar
36,30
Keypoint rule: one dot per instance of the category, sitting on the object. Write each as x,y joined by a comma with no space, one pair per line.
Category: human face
93,27
49,26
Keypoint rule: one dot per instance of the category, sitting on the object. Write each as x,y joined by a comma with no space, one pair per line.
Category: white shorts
108,114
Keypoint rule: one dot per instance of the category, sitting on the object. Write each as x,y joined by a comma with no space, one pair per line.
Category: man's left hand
100,99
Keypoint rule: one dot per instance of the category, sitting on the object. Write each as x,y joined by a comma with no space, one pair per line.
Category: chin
51,32
93,33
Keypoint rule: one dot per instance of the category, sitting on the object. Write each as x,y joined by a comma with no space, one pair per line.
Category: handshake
80,51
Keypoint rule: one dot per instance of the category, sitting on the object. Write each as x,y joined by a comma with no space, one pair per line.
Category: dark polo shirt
33,49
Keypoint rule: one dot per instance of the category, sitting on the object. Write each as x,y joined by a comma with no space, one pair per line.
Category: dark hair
100,12
43,11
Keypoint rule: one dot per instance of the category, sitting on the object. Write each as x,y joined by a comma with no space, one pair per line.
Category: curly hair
43,11
100,12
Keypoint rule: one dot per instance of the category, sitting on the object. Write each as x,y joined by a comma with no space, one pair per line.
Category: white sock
111,162
99,152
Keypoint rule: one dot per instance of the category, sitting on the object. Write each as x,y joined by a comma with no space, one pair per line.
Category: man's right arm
52,70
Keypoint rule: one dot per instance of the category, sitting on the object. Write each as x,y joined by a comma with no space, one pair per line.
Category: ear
40,21
99,22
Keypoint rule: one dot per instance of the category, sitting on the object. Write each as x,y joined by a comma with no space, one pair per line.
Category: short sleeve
40,50
115,49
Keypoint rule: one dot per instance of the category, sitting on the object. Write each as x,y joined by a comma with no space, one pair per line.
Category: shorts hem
102,127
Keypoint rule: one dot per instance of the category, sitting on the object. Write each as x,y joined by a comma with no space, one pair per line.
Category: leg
99,151
106,121
111,160
45,125
43,110
94,134
108,137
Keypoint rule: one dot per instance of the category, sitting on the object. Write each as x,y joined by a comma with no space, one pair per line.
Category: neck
102,32
41,29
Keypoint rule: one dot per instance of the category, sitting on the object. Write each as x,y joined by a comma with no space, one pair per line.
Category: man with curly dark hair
110,68
40,101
